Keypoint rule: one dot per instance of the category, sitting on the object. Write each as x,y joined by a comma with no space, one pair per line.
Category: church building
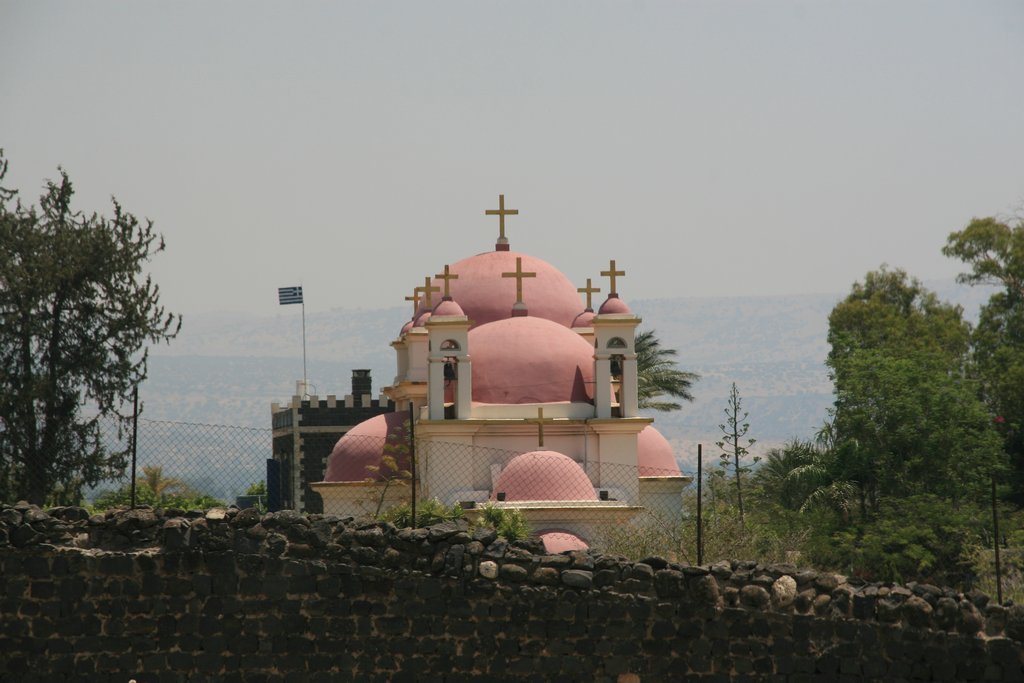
517,393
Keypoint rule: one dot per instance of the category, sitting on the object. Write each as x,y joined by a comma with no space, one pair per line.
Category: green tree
994,251
658,376
76,315
908,426
893,312
735,446
906,418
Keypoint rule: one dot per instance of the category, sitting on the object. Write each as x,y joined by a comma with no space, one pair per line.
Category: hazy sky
712,148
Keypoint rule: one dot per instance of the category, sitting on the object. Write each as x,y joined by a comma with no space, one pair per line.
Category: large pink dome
543,475
655,457
486,296
558,541
361,449
530,360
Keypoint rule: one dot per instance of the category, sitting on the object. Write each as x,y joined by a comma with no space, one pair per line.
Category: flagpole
305,386
293,295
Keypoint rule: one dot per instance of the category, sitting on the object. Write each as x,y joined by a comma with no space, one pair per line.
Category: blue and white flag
289,295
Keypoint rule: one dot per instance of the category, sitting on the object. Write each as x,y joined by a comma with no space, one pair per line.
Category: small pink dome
448,307
364,445
613,304
405,328
655,457
544,475
422,319
486,296
584,319
530,360
558,541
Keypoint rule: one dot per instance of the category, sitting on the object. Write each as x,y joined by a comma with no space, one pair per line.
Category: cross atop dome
415,299
611,274
428,290
519,308
446,276
501,212
589,290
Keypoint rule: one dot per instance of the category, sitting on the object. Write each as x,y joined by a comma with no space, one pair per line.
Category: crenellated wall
235,596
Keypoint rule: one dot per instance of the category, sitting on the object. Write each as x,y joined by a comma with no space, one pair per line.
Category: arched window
617,343
450,345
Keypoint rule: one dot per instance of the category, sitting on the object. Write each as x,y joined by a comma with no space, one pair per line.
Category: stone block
578,578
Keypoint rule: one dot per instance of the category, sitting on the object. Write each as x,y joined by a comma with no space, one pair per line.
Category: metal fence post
700,521
412,460
135,437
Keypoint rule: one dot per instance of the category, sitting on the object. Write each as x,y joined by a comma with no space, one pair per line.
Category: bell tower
448,355
615,370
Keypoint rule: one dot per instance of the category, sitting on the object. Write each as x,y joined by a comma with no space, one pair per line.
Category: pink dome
655,457
448,307
558,541
530,360
364,445
486,296
405,328
422,319
584,319
613,304
543,475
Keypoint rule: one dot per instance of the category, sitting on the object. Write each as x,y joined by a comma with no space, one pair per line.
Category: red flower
1000,419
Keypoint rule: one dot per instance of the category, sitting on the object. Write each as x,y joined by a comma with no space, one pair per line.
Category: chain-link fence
179,464
368,475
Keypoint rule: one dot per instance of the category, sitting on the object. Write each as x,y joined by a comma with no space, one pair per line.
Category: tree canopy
994,251
907,419
76,315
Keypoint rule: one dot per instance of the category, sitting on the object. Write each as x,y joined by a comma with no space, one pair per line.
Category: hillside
229,368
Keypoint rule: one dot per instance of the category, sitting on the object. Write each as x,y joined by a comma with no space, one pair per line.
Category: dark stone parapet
163,594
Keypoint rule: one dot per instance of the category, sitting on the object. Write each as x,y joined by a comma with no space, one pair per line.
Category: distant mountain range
228,368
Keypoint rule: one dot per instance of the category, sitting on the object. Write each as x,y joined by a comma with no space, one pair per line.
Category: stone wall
166,595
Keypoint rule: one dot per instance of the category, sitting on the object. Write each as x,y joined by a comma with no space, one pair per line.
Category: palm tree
161,486
657,374
807,475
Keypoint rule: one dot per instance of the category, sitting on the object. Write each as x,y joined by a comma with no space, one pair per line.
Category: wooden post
995,540
700,521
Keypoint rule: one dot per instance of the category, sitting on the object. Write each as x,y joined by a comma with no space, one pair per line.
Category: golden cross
446,276
611,273
588,290
540,426
428,289
501,212
519,275
415,299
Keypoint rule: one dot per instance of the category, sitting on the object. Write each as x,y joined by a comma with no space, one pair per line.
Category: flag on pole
289,295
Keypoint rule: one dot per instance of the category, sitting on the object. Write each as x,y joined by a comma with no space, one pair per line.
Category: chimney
362,386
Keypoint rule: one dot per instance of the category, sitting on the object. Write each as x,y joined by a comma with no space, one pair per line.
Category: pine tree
76,315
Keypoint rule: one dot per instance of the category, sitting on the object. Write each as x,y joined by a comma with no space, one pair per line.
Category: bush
122,497
510,523
430,511
921,538
765,533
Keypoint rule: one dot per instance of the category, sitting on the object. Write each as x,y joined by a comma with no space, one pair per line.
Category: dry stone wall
228,595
